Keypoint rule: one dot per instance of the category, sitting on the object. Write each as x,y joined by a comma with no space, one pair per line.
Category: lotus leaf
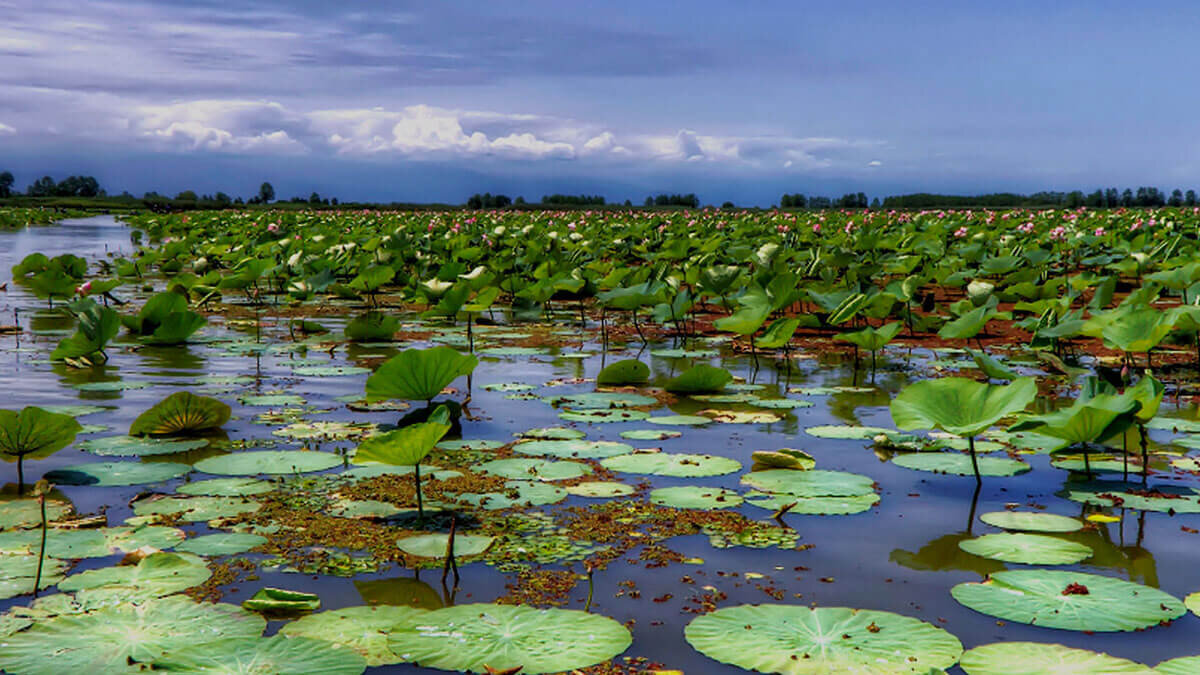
961,465
649,434
90,543
694,497
606,416
1184,665
138,446
552,434
517,493
699,379
1160,498
576,449
849,433
268,462
363,629
156,575
679,420
225,487
436,545
784,458
813,483
20,513
116,473
34,433
278,655
958,405
1032,658
196,509
419,374
1028,549
539,469
601,489
1029,521
621,373
225,543
281,601
678,465
181,413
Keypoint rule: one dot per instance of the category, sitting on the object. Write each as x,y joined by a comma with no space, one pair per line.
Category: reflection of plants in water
943,553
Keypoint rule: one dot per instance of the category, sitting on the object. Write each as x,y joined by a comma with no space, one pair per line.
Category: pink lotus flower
1099,232
961,232
1026,228
273,227
817,228
84,288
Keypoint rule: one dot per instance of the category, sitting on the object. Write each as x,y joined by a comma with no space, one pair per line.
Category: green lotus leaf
679,420
1028,549
1139,330
959,464
598,400
1029,521
157,574
281,601
195,509
813,506
781,403
678,465
372,327
279,655
419,374
600,489
271,462
224,543
621,373
784,458
225,487
470,444
89,543
1159,498
363,508
605,416
969,324
992,367
699,379
797,640
649,434
959,405
181,413
517,493
1184,665
34,433
552,434
139,446
509,387
176,328
110,639
272,400
778,334
849,433
116,473
22,513
1069,601
1032,658
1192,602
573,449
535,469
436,545
97,325
468,637
812,483
363,629
1087,420
695,497
872,339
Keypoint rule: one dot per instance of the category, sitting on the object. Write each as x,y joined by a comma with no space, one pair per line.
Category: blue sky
432,101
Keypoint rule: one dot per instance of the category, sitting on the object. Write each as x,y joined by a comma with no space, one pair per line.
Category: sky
739,101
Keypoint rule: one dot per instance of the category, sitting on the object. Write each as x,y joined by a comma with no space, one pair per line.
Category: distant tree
1176,198
1190,198
187,196
1127,197
628,203
649,201
334,201
1075,199
728,205
6,183
520,200
237,201
266,193
314,198
42,187
875,203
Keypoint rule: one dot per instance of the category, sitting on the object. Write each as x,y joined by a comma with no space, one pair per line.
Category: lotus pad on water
181,413
516,493
136,446
695,497
538,469
224,543
1160,498
1032,658
601,489
600,400
580,449
225,487
278,655
959,464
1029,549
28,513
116,473
649,434
107,640
468,637
604,416
156,575
1090,603
435,545
678,465
1184,665
363,629
90,543
1028,521
813,483
268,462
195,509
797,640
844,432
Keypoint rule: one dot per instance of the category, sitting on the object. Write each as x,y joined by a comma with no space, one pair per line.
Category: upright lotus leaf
872,339
372,326
477,637
779,333
1139,330
419,374
278,655
969,324
155,312
34,433
621,373
1087,420
991,366
1069,601
97,325
109,639
181,413
407,446
1149,393
797,640
176,328
1033,658
699,379
960,406
755,307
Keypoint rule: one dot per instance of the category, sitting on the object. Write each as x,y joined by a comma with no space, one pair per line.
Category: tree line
1142,197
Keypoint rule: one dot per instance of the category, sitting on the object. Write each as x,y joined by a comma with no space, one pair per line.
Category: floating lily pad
435,545
813,506
196,509
137,446
119,385
736,417
578,449
21,513
797,640
105,474
600,400
1032,658
552,433
784,458
90,543
539,469
224,543
279,655
1174,424
18,573
509,386
1069,600
1192,602
851,433
512,351
363,508
281,601
812,483
74,410
471,444
649,434
607,416
107,640
1028,521
157,574
782,403
363,629
680,420
1160,498
516,493
333,431
269,462
225,487
695,497
329,371
1095,462
1028,549
679,465
466,637
959,464
272,400
600,489
1184,665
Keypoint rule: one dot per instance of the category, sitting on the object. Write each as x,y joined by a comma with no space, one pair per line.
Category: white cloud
874,162
6,130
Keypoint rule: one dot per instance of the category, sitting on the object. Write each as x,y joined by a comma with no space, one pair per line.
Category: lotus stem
587,606
37,579
451,563
974,461
420,505
1145,452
